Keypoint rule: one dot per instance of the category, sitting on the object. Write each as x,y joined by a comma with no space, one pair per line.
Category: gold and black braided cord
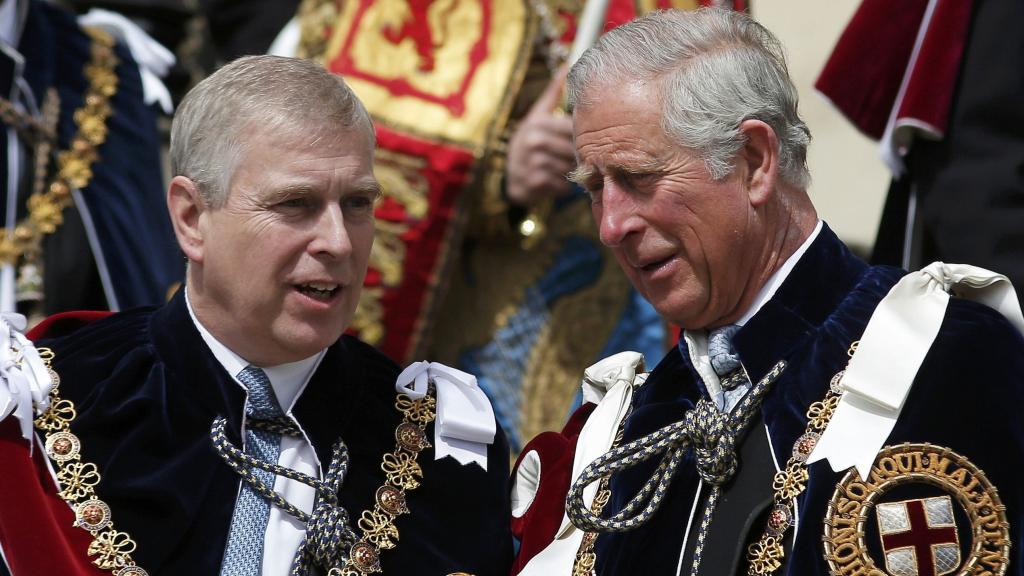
282,425
243,464
712,436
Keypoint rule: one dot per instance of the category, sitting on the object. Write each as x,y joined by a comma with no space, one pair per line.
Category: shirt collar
697,340
776,279
287,380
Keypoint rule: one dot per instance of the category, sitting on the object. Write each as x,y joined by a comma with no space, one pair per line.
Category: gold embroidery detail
403,182
854,500
316,19
550,372
368,321
445,93
388,252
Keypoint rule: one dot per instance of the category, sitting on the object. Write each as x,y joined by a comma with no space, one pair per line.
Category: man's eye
293,203
358,204
634,180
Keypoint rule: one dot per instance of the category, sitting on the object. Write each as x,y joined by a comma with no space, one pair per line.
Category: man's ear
760,159
185,205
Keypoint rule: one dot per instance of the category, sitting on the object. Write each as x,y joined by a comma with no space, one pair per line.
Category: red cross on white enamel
921,537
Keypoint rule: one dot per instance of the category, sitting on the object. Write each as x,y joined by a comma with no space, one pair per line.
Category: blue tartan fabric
244,553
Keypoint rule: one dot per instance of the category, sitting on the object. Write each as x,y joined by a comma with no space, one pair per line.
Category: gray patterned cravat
726,363
724,359
244,553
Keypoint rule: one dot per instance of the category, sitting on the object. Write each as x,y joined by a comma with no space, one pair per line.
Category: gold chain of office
112,549
765,556
77,481
74,165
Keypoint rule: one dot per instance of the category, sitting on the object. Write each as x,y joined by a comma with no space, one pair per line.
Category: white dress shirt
284,532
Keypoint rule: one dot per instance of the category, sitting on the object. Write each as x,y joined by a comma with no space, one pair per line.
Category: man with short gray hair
236,430
792,351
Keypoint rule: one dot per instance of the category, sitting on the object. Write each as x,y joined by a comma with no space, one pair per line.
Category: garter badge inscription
869,526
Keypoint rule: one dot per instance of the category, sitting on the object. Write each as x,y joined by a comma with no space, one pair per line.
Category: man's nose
617,216
330,235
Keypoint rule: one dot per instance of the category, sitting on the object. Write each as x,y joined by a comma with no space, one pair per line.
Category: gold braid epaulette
77,482
74,166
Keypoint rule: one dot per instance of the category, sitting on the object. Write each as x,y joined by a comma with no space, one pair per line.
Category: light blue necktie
244,553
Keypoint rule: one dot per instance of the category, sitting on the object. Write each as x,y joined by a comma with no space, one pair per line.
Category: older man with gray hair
793,350
235,430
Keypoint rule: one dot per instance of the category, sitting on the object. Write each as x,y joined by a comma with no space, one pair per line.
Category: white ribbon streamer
25,382
153,59
610,384
895,342
465,423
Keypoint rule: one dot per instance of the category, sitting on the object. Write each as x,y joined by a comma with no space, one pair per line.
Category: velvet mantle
966,397
125,202
147,388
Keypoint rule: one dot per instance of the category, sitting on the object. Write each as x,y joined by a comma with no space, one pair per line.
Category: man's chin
685,317
305,340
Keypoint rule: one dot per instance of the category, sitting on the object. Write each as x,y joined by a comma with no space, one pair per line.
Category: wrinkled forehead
616,89
308,133
262,146
621,114
611,102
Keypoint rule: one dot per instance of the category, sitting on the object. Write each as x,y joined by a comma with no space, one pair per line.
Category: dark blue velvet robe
967,397
124,198
147,388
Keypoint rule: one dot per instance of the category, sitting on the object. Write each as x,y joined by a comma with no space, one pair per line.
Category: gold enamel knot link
77,482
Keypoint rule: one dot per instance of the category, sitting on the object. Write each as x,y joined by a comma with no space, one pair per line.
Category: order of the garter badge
923,511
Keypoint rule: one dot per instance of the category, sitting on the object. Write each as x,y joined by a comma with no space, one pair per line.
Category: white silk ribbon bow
897,338
610,384
465,424
25,382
